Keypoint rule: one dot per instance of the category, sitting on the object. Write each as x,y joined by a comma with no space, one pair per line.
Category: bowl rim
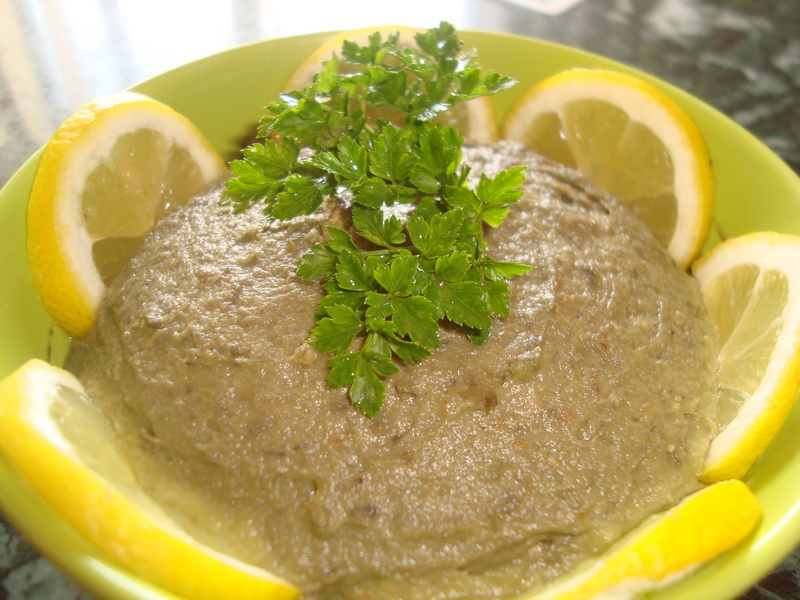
778,535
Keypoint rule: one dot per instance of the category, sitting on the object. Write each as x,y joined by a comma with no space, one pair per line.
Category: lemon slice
667,547
751,287
475,119
630,139
53,434
113,168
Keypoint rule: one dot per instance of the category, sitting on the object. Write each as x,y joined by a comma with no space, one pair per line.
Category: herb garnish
388,287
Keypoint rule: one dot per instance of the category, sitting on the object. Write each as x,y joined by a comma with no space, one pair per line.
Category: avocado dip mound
490,469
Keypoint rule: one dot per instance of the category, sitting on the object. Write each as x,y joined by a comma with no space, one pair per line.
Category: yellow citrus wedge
751,287
630,139
475,120
665,548
113,168
53,434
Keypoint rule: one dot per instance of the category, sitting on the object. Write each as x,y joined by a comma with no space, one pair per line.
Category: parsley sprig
391,281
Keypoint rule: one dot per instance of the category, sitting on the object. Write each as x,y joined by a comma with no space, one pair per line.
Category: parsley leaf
336,332
397,276
388,281
383,232
436,235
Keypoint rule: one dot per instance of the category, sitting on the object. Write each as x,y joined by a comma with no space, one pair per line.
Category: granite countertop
740,56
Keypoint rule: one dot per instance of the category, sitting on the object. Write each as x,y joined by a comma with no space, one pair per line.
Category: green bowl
224,95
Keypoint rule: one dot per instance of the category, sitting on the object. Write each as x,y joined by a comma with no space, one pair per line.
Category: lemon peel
665,548
629,138
59,441
751,288
106,175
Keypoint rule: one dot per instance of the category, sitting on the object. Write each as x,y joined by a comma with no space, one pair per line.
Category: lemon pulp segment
751,287
61,443
113,168
629,139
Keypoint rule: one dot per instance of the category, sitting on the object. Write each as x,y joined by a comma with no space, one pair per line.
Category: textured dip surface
489,469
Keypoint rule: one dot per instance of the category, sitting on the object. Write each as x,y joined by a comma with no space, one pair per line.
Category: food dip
489,469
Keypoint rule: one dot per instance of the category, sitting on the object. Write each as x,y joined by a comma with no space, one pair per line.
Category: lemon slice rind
761,416
664,549
59,245
645,104
93,489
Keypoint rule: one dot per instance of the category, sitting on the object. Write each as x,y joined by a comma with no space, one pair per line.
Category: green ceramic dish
224,95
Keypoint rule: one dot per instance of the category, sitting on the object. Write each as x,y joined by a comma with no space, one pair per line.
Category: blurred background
740,56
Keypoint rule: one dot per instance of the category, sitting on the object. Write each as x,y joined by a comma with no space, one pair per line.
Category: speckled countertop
741,56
